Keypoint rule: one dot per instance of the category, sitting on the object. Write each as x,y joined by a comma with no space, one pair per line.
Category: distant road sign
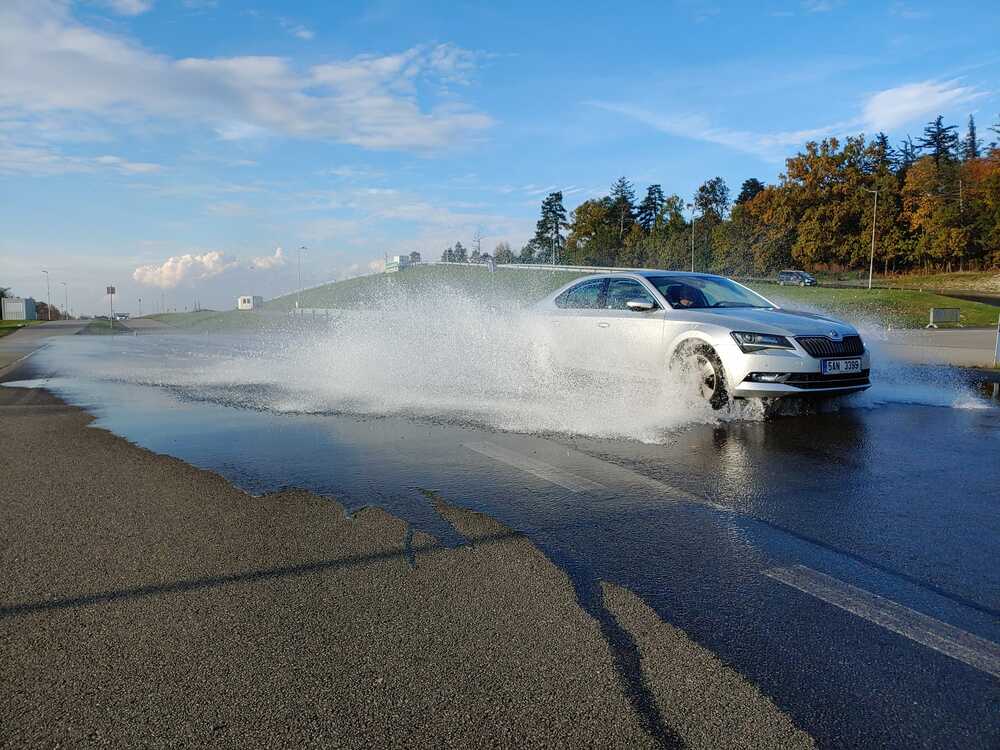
111,290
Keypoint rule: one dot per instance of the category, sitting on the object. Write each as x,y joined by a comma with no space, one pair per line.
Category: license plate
840,366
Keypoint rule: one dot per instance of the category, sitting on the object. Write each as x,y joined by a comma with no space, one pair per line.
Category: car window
621,291
695,292
589,295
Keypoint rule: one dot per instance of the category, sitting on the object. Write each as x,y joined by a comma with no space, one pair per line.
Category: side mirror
640,305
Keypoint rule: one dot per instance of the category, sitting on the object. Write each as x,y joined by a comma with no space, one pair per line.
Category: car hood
777,321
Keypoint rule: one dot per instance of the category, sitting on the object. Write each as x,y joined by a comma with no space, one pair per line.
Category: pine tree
941,140
650,207
448,255
885,155
907,154
749,190
527,253
622,205
995,129
458,254
970,144
549,239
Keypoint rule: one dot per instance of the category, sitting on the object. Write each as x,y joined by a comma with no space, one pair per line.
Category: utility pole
48,290
298,294
871,261
65,300
140,307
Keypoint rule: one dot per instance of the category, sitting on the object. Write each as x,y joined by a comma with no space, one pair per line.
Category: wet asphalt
845,563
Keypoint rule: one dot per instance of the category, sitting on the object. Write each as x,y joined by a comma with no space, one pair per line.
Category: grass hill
519,284
899,308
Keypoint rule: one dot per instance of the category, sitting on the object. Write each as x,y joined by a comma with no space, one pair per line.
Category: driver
682,295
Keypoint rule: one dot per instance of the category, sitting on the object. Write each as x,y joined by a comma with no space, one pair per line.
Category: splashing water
446,356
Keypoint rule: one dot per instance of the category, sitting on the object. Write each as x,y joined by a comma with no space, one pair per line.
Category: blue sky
170,147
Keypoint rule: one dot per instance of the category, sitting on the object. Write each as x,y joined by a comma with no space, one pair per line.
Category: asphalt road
845,563
964,347
21,343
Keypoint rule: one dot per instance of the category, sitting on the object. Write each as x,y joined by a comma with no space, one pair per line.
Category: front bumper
801,374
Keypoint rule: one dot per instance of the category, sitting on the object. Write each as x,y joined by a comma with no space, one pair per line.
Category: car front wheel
703,365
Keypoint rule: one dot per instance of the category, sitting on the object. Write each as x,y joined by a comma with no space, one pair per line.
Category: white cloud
911,102
908,12
268,262
297,29
183,268
886,110
817,6
51,62
229,209
128,7
770,146
43,160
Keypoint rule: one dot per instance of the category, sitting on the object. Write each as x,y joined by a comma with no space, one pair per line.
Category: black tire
702,360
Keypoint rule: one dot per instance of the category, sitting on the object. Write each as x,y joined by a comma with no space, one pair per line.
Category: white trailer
250,302
18,308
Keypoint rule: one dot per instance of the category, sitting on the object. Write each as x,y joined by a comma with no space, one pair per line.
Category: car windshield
699,292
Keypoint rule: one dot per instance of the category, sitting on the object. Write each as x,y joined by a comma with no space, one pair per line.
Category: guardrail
944,315
996,350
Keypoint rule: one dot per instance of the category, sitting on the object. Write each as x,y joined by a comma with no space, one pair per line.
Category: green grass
102,328
205,320
899,308
9,326
987,282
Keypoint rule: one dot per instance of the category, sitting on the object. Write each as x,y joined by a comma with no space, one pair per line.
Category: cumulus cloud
183,268
269,262
897,106
52,62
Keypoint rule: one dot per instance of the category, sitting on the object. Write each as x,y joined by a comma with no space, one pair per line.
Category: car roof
647,272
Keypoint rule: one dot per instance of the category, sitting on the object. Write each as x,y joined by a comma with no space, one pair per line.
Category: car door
629,339
573,323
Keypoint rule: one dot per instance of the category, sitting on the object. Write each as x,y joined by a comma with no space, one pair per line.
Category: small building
397,263
250,302
18,308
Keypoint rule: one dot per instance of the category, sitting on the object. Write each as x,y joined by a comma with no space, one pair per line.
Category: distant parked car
739,344
797,278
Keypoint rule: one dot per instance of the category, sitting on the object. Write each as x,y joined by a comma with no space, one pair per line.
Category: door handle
603,325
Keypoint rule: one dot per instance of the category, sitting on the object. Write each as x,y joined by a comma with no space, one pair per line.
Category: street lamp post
65,300
140,307
871,260
48,291
691,206
298,293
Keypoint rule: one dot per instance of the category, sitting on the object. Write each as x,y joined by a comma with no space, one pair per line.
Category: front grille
821,346
819,380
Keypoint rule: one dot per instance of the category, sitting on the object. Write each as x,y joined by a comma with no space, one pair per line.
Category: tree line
934,204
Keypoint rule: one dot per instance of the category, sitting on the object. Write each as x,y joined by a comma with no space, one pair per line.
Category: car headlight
755,342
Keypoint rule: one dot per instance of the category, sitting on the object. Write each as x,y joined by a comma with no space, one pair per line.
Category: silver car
739,344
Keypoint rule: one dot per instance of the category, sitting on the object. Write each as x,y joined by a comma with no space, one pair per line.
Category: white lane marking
970,649
540,469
